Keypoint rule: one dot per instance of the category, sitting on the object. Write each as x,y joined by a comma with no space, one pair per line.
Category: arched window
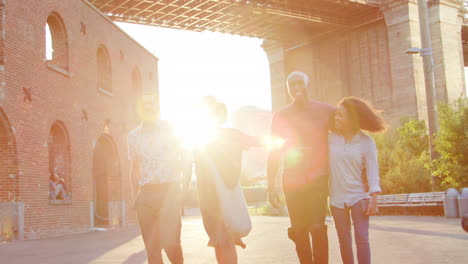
56,41
59,161
104,69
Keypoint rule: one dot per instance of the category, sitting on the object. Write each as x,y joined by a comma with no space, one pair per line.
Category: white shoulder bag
232,205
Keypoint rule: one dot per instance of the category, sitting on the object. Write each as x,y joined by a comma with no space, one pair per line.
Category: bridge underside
287,21
347,47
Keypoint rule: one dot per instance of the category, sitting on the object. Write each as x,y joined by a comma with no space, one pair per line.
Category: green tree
451,144
404,153
403,156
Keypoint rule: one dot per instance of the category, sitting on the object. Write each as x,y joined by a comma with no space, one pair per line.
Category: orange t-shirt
305,150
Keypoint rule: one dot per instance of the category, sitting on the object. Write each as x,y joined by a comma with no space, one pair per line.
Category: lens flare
197,128
272,143
294,157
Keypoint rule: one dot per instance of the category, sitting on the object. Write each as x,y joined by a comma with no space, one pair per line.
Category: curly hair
364,115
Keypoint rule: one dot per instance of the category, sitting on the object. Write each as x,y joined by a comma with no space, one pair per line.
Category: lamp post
428,63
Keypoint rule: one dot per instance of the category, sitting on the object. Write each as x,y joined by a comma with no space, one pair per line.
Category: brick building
67,111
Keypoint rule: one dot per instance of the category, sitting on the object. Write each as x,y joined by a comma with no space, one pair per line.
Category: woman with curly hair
354,174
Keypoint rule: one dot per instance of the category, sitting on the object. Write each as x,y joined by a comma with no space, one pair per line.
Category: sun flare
197,128
272,142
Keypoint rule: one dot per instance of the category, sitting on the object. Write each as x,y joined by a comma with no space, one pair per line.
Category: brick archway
106,177
8,161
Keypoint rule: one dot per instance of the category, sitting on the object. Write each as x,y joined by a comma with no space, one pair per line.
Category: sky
234,69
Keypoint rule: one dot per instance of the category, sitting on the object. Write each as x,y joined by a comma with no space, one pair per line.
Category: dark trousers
307,211
160,223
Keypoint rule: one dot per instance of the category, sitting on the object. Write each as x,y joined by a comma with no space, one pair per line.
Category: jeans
58,192
361,231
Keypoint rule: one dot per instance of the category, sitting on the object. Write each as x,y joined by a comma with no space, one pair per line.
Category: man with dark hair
156,174
303,128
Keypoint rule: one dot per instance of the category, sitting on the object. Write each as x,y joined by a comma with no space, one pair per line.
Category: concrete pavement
394,239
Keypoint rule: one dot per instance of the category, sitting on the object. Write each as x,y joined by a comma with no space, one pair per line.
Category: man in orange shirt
303,126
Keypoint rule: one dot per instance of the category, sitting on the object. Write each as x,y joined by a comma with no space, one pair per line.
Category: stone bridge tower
369,60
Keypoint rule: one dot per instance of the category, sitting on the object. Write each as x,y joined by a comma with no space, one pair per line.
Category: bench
411,199
392,200
426,199
411,203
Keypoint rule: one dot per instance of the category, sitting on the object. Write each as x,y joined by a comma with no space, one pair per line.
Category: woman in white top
354,179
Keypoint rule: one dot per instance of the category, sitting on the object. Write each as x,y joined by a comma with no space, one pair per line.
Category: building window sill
104,91
58,69
59,202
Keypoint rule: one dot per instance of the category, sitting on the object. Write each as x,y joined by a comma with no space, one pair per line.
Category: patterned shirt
158,151
347,161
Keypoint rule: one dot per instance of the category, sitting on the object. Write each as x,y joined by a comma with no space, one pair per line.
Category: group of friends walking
326,159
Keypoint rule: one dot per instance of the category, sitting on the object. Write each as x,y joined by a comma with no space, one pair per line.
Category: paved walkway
394,239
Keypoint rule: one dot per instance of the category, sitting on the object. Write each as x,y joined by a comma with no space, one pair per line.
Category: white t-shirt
347,160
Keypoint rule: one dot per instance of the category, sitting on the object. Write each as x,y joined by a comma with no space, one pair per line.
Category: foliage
451,144
404,158
403,155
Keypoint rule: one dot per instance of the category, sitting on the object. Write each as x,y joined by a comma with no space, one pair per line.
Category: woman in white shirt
354,175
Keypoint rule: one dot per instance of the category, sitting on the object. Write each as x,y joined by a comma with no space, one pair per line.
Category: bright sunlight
196,128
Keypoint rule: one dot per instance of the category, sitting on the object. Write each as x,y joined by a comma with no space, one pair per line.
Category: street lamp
428,64
423,52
